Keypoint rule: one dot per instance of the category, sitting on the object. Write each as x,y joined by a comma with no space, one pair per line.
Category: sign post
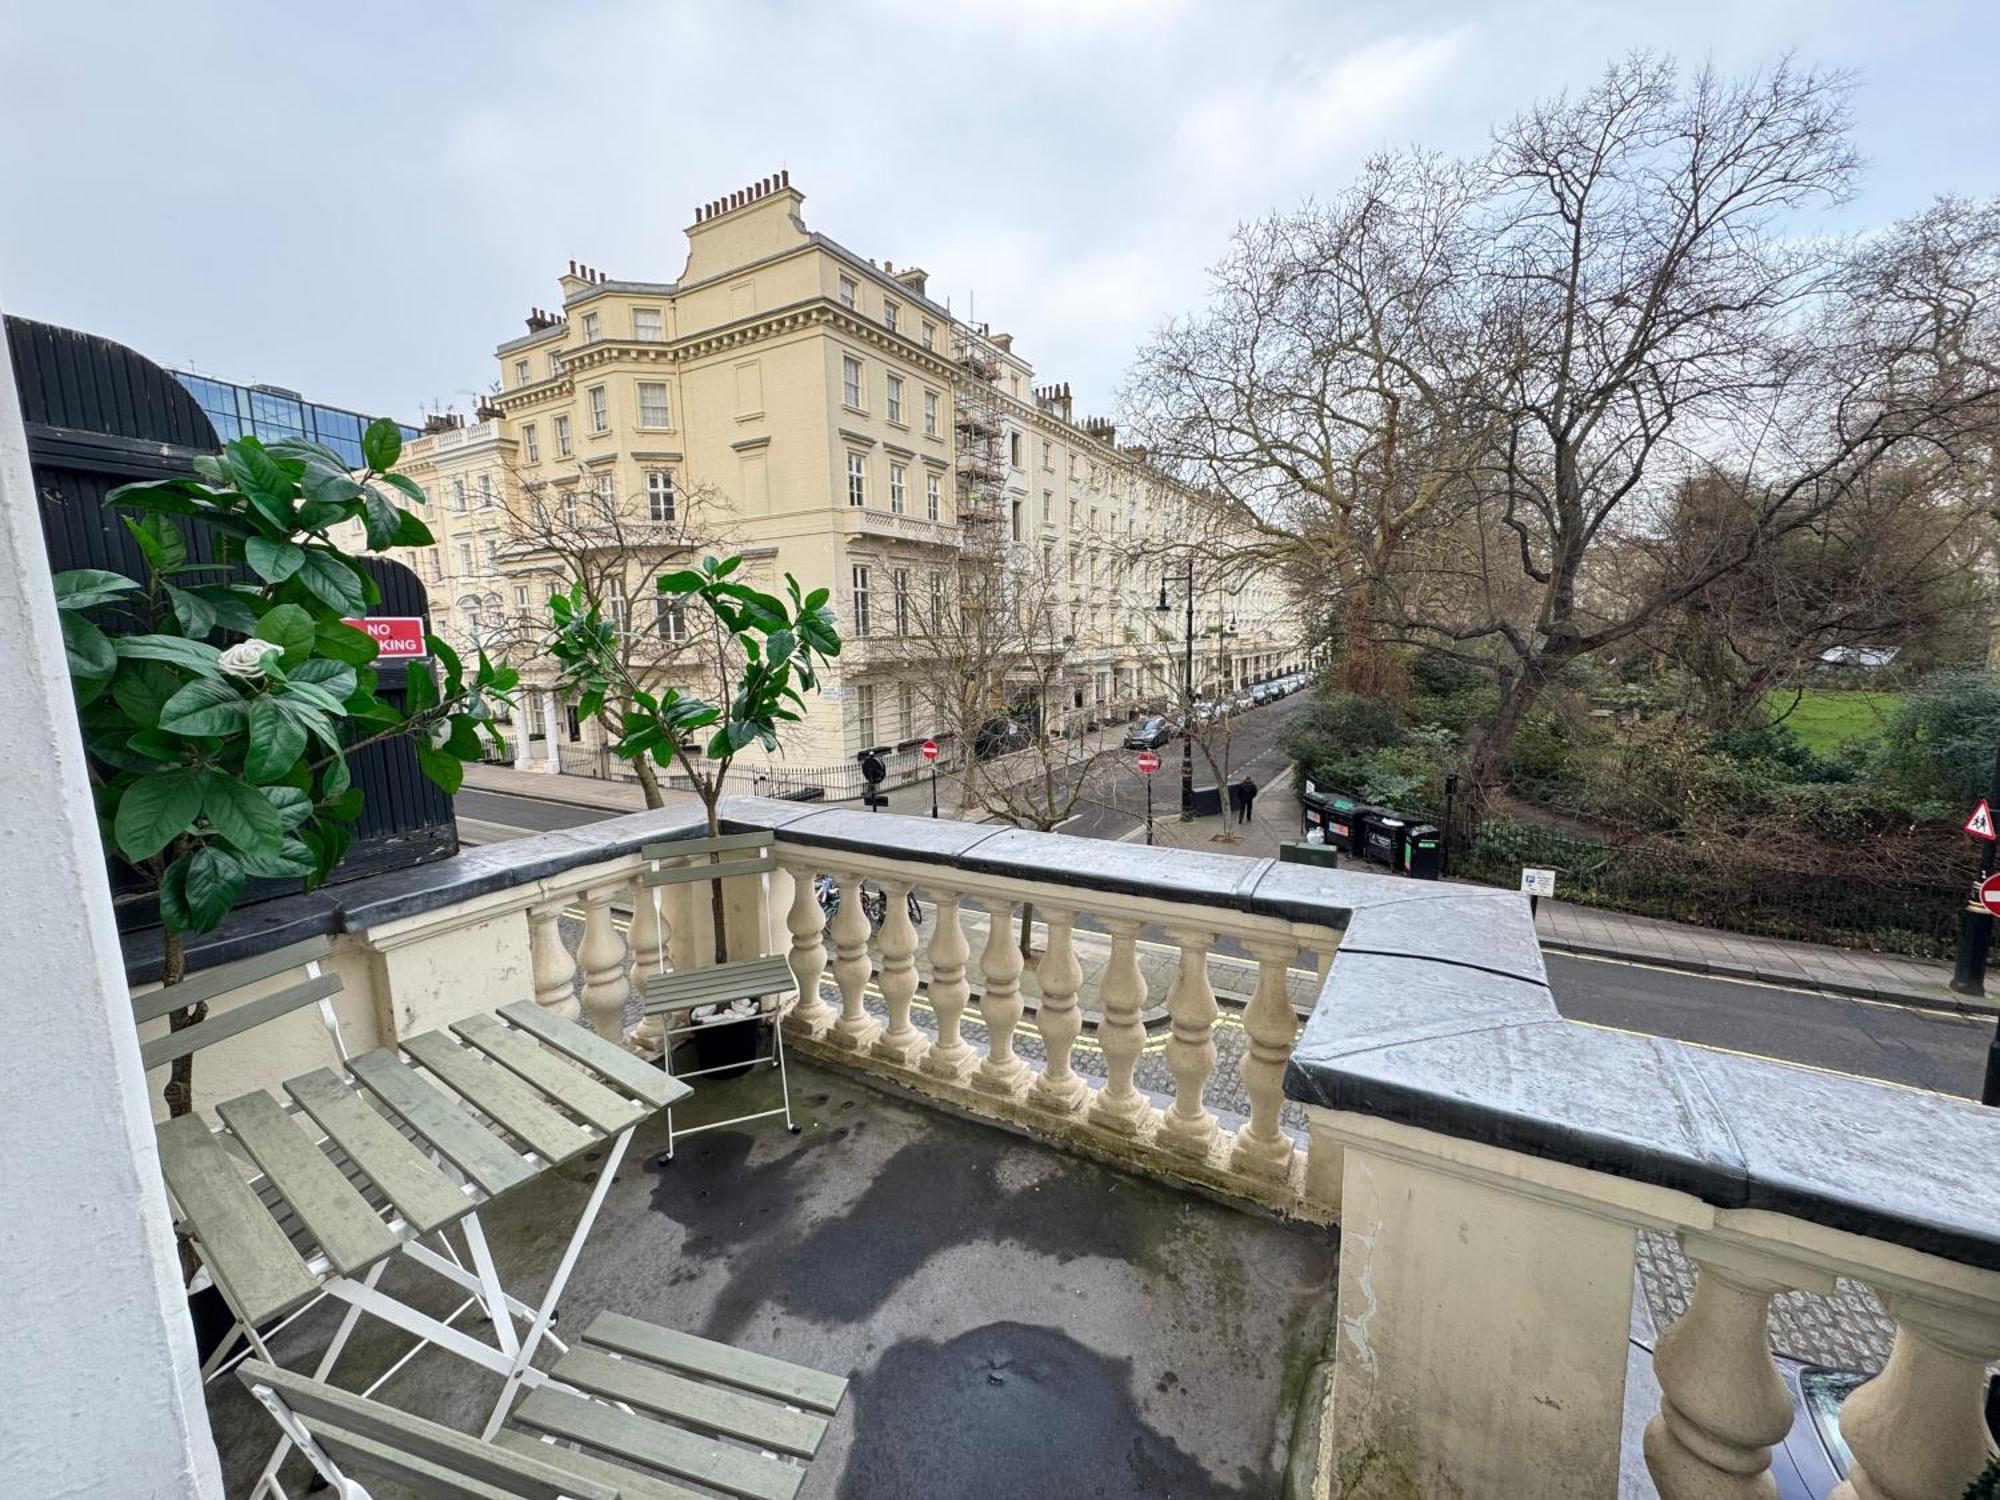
1536,884
1148,764
930,754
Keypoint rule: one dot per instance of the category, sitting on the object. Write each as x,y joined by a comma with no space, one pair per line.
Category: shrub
1937,758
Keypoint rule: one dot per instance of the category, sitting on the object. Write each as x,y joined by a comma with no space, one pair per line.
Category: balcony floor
1016,1321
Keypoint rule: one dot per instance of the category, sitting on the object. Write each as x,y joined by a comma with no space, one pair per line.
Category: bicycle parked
874,903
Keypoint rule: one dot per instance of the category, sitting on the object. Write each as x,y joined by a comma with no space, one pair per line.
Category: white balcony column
856,1030
1918,1429
648,939
950,1057
1262,1148
523,755
1002,1071
554,968
1121,995
807,925
1058,1087
1190,1128
552,733
1723,1404
602,952
901,1043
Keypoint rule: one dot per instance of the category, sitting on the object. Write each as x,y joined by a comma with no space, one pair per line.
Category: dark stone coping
1436,1013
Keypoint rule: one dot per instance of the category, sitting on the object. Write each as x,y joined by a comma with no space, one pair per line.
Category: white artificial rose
245,659
440,732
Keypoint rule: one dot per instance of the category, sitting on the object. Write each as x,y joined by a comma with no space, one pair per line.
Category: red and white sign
1980,824
929,750
1148,762
1989,894
396,637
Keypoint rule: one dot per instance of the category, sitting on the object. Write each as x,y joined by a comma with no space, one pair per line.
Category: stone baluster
1002,1070
901,1043
648,939
1121,995
1189,1128
1058,1087
856,1030
807,925
602,953
1723,1404
1262,1148
1917,1430
950,1057
554,968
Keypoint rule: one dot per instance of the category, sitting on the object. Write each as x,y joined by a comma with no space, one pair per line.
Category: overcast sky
359,200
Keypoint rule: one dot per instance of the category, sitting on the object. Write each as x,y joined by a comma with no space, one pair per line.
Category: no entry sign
1989,894
1148,762
929,750
396,637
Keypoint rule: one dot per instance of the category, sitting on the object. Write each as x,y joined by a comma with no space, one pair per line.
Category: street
1899,1044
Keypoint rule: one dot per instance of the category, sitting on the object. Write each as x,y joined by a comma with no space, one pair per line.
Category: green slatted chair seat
719,984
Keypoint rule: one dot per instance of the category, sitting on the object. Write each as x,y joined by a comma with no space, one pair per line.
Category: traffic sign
929,750
396,637
1148,762
1980,824
1989,894
1538,882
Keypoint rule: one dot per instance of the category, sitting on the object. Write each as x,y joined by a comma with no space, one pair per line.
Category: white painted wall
99,1389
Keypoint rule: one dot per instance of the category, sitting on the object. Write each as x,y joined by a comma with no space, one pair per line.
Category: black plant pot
212,1321
732,1049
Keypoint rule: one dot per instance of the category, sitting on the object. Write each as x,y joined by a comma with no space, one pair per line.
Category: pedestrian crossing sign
1980,824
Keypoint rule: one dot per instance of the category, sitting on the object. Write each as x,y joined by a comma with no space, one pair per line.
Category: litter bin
1343,823
1207,802
1423,851
1382,837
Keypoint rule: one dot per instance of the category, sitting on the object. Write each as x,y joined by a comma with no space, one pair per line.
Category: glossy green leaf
174,915
195,656
336,678
382,444
273,561
214,881
291,630
86,588
276,741
447,771
408,486
194,614
89,651
411,531
239,812
333,582
155,810
345,643
291,860
159,538
293,805
204,706
379,518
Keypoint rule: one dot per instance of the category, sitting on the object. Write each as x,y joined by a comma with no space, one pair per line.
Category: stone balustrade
1497,1164
1490,1164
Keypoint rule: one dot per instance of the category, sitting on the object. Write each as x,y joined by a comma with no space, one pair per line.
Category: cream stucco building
821,414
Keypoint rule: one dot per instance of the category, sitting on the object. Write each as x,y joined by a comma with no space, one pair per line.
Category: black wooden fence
99,415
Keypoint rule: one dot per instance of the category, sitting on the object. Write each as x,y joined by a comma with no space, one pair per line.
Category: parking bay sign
1538,882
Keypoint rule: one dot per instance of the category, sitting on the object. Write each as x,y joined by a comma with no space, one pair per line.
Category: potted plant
219,701
763,653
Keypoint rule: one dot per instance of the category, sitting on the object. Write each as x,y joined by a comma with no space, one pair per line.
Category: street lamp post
1187,686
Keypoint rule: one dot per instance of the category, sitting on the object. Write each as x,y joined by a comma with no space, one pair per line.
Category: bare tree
605,550
1620,303
1312,398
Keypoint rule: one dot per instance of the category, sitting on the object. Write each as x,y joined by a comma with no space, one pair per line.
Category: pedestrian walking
1246,798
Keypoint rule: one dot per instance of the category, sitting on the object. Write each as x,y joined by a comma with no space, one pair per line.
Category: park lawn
1826,717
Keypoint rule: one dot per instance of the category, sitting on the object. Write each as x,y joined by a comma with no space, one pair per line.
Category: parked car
1148,734
1263,693
1241,702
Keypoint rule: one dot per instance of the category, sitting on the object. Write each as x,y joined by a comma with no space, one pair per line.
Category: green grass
1826,717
